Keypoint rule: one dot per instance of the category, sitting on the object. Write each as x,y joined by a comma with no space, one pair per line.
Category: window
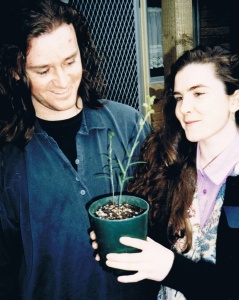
155,49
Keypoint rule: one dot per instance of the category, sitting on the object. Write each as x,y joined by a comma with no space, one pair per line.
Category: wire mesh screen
114,28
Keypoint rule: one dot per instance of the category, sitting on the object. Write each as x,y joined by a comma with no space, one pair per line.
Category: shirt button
204,191
82,192
77,179
77,161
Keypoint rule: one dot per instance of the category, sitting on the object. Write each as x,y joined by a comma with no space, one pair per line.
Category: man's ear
234,101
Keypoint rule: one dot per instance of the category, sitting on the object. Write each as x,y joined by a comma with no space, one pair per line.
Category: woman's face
203,107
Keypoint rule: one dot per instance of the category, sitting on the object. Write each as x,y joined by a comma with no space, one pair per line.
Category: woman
190,180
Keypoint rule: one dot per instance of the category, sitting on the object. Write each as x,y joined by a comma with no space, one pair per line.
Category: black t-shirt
64,133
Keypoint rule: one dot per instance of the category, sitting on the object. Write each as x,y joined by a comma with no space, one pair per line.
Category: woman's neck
211,149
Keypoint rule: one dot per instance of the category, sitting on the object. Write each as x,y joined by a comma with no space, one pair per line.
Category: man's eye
43,72
70,62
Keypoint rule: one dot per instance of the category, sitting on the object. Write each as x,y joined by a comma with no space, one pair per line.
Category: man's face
54,69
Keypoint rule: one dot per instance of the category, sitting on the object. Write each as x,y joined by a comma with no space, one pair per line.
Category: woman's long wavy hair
168,178
31,19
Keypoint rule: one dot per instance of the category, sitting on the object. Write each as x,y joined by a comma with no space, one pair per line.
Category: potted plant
120,214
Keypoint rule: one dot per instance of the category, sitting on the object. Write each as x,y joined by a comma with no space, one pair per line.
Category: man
54,137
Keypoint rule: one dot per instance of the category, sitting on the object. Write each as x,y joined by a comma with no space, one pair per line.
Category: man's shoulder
117,116
119,108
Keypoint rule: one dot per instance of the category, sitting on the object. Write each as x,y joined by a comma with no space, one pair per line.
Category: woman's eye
198,94
177,99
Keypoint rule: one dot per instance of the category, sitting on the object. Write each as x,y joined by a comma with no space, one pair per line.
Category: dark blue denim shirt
45,250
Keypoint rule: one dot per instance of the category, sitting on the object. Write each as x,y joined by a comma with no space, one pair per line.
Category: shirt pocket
232,215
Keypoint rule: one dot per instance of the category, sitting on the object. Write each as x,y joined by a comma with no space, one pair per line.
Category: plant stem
111,165
124,178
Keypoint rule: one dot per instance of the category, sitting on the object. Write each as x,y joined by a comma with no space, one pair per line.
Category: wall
218,21
214,22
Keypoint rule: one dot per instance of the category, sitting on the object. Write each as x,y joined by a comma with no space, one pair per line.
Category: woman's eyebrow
191,88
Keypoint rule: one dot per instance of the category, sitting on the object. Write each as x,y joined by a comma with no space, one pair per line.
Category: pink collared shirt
211,178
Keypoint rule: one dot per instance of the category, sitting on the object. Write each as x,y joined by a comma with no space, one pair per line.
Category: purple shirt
211,178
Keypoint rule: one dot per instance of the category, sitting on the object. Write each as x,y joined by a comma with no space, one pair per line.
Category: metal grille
114,27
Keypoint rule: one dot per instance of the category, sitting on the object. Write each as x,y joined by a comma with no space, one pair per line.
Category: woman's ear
16,76
234,101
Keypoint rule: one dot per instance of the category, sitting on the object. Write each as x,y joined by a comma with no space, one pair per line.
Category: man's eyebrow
191,88
32,67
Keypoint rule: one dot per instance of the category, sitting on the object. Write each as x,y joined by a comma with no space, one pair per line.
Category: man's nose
61,78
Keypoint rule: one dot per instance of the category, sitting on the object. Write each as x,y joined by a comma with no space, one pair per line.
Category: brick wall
214,22
156,118
219,23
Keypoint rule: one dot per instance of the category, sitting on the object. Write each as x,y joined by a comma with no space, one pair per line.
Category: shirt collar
223,164
91,119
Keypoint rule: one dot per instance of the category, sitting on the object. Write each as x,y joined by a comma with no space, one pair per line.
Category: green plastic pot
108,232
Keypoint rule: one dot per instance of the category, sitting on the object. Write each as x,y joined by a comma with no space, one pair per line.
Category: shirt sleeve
196,280
10,243
10,252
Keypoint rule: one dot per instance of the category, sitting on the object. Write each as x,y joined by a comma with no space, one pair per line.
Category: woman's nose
186,105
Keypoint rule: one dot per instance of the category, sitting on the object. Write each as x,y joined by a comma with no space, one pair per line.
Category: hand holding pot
94,244
110,230
153,262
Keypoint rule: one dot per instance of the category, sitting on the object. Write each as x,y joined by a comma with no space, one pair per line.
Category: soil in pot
113,211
